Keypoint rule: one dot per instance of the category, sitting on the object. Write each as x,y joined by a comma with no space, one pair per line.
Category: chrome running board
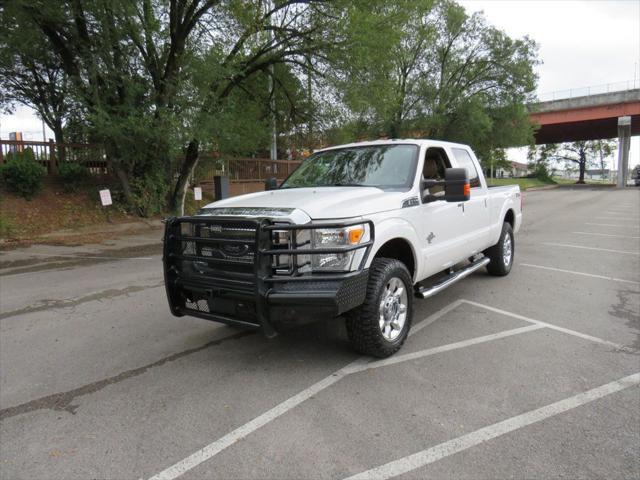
426,292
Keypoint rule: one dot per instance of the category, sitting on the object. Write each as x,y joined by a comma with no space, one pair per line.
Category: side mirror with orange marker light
456,186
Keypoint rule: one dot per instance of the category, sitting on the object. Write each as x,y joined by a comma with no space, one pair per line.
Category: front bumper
204,280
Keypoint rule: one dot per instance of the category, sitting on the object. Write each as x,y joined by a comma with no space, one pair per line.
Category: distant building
597,174
517,170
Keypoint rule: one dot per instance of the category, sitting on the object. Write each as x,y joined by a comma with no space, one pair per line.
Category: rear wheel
501,254
381,324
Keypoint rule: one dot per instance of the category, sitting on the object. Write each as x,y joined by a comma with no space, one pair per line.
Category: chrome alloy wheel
507,250
393,309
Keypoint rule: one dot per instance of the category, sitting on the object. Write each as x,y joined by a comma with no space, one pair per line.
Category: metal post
624,143
272,92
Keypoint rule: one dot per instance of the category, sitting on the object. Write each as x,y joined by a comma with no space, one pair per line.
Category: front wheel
501,254
381,324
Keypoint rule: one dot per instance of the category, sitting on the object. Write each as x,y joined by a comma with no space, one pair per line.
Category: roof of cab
413,141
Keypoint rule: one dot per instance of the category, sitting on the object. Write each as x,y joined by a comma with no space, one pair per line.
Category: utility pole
272,95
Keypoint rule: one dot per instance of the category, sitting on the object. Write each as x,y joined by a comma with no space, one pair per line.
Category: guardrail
590,90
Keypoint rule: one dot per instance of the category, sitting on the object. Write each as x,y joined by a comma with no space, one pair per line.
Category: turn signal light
467,190
355,234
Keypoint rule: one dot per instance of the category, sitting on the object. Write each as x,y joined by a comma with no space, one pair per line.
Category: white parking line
363,363
443,348
575,333
478,437
603,277
626,252
239,433
610,225
606,235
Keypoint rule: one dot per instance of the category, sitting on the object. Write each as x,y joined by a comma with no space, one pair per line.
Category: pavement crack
48,304
63,401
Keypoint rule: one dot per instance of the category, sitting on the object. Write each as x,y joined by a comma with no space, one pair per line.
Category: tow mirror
456,185
271,183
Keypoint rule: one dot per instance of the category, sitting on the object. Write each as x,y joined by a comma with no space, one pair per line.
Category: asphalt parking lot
534,375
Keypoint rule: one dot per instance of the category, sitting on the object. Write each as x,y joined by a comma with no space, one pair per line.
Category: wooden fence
49,154
250,171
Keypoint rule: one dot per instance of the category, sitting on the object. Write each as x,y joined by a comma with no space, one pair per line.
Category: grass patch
524,183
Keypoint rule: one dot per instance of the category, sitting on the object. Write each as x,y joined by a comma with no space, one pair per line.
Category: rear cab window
465,161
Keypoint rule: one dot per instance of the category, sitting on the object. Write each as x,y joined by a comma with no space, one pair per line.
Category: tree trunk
186,170
58,133
113,166
583,166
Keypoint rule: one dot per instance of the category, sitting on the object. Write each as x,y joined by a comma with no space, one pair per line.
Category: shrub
22,174
149,194
7,228
73,175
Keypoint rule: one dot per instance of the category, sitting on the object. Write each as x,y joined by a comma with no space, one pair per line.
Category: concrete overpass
591,117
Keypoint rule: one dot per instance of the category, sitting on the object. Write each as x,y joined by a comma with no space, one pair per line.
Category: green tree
584,154
32,75
129,64
427,68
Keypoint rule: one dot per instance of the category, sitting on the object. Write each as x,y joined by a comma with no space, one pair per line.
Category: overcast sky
582,43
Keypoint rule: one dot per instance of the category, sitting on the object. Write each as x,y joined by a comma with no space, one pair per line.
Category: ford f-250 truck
357,230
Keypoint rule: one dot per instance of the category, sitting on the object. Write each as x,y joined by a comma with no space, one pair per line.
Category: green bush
149,194
7,228
73,175
22,174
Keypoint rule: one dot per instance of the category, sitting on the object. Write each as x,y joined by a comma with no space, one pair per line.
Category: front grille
233,244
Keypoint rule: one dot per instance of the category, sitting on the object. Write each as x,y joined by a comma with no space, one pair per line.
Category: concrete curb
546,187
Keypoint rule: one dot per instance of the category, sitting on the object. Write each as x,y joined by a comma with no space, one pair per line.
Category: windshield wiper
345,184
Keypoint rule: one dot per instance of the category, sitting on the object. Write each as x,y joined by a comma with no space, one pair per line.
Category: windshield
390,167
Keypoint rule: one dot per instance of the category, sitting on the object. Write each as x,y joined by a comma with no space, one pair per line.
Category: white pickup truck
357,229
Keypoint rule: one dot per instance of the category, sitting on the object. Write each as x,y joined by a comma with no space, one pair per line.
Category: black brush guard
222,270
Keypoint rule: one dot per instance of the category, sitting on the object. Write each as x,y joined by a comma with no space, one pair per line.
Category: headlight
320,238
336,238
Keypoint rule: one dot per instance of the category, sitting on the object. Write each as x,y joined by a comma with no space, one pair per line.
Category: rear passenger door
475,211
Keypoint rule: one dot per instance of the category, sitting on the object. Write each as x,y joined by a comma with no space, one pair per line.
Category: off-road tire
497,266
363,326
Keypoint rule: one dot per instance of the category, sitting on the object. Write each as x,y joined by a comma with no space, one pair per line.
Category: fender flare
391,229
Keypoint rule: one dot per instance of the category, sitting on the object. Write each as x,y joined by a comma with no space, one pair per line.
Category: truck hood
317,203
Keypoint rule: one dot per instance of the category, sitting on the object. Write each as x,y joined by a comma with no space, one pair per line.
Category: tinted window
464,160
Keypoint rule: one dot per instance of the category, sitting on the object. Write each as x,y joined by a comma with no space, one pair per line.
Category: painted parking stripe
444,348
615,219
211,450
183,466
478,437
567,245
611,225
552,326
603,277
595,234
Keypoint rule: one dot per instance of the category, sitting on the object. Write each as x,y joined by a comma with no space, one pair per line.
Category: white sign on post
197,193
105,197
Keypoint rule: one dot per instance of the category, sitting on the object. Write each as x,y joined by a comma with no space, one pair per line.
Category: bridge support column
624,143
